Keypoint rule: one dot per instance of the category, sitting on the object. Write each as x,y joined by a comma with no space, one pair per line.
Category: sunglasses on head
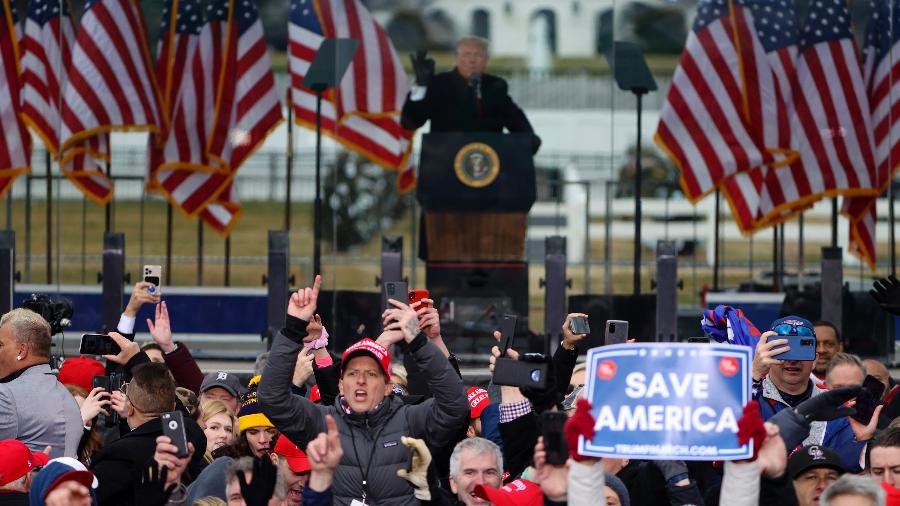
787,329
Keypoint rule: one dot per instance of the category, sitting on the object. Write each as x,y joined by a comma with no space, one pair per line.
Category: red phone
417,295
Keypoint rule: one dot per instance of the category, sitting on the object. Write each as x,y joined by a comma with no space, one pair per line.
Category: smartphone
704,340
417,295
100,381
507,332
153,275
868,400
519,373
616,332
802,348
552,423
579,325
98,344
396,290
173,426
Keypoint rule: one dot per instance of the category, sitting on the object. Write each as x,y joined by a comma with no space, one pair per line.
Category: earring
18,357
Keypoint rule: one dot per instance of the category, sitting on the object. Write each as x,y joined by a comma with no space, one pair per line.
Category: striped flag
881,74
110,86
363,112
15,150
180,32
225,107
702,125
46,52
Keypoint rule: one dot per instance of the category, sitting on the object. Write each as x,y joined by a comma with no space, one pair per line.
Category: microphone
475,82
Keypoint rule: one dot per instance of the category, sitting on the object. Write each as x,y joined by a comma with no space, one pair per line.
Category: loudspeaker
276,279
554,289
473,297
113,278
638,310
866,327
7,269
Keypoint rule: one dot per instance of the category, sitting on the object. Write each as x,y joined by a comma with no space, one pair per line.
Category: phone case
619,333
173,427
517,373
802,348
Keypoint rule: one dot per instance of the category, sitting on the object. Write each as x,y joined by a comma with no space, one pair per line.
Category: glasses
787,329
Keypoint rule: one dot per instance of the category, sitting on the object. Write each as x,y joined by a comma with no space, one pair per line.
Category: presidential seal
477,165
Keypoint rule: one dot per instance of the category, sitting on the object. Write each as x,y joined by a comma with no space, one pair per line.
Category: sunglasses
787,329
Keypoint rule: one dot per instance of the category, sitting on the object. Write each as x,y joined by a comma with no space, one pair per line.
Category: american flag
363,113
110,86
702,125
226,106
880,72
46,51
15,150
768,37
180,31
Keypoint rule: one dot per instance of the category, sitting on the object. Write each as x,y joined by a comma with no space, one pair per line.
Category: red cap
893,495
85,478
478,400
314,394
295,457
80,371
515,493
16,460
368,347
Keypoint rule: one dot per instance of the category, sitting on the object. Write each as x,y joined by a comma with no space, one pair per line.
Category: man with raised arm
370,419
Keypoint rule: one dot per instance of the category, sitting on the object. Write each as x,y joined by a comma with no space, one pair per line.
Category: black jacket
452,106
371,441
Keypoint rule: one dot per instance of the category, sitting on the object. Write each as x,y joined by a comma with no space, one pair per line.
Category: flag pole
891,239
290,161
108,210
801,262
49,219
834,223
716,222
199,252
228,261
776,285
168,244
317,206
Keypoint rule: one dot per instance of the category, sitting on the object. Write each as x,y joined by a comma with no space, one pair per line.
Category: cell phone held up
153,275
579,325
507,333
397,290
98,344
417,295
173,427
616,332
868,400
801,348
520,373
552,423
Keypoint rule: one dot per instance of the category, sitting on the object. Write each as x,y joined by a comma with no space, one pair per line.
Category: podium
476,189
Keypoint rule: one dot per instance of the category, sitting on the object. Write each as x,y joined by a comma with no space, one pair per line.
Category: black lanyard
365,486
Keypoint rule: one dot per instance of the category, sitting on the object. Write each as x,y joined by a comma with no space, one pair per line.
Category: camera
58,313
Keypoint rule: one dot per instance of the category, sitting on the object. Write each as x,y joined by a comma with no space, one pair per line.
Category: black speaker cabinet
472,298
638,310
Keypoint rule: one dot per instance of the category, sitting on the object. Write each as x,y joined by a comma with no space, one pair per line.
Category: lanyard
365,480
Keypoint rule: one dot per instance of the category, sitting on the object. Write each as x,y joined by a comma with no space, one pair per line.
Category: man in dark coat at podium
464,99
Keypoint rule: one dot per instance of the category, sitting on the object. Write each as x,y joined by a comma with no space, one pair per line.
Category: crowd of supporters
390,421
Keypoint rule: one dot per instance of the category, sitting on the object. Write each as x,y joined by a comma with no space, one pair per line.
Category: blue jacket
836,434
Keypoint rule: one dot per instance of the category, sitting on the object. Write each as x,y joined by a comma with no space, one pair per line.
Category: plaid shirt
509,412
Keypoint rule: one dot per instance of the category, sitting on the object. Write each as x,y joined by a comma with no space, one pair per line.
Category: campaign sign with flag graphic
667,401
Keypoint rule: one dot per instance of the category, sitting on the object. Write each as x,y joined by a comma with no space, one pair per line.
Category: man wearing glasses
784,384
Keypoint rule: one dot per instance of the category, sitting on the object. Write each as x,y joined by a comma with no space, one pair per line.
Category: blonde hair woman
218,423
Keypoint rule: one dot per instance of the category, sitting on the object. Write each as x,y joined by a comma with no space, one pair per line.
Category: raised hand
495,352
155,487
262,486
161,330
554,479
303,369
422,66
569,337
303,303
429,318
94,404
166,456
129,349
886,292
407,318
139,297
417,474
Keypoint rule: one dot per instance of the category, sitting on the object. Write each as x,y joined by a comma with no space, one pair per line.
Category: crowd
390,422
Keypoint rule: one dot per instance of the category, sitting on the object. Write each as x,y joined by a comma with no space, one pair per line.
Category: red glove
580,424
750,425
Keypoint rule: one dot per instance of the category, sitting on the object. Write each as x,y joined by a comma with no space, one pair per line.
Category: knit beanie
613,482
249,414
